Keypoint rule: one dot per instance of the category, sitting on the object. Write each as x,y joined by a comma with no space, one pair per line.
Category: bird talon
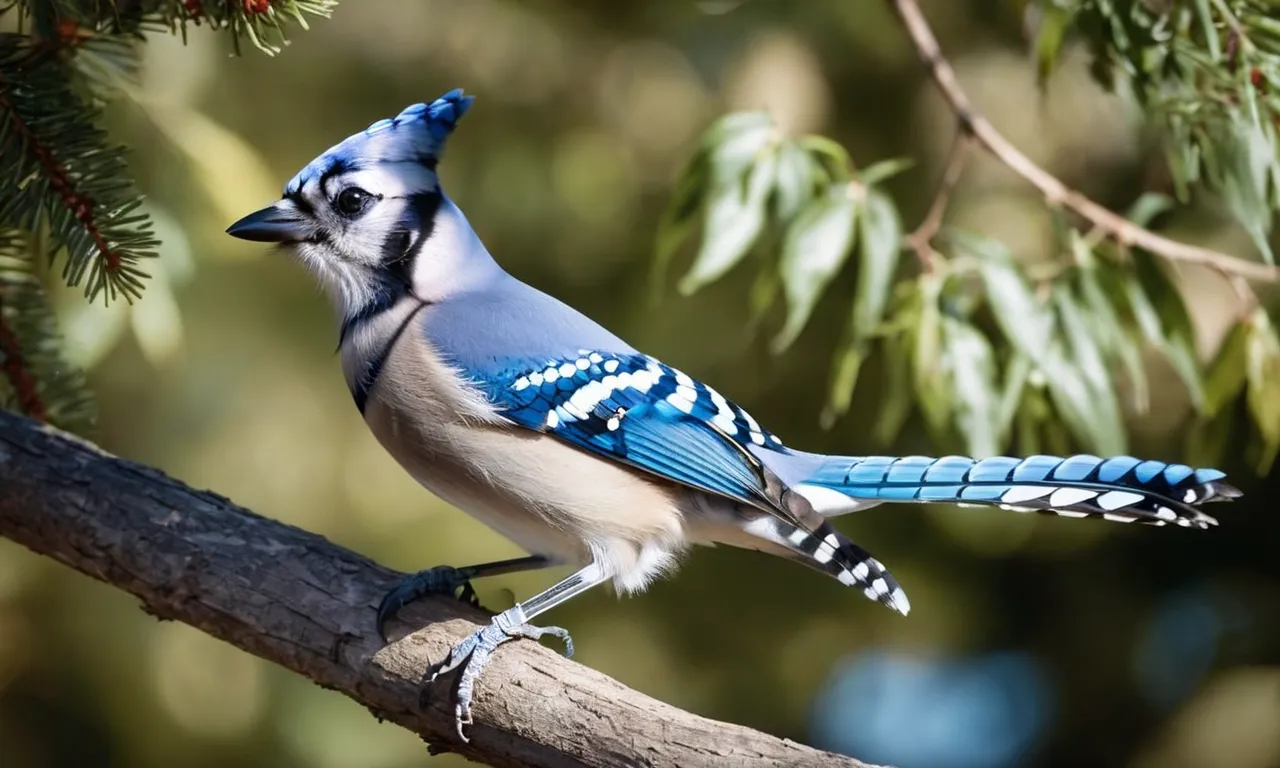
471,656
441,580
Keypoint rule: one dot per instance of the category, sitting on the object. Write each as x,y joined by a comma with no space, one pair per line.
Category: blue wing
632,408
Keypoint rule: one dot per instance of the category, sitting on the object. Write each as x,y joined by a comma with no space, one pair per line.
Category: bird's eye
352,201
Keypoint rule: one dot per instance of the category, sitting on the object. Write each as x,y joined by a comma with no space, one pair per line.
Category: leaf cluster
1206,73
990,351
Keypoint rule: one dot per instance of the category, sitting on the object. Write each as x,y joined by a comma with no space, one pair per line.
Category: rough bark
298,600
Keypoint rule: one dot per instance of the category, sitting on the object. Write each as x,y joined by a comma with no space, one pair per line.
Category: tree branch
296,599
920,239
1121,230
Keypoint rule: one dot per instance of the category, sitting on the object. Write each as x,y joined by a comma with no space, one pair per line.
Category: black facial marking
429,162
339,165
373,368
300,202
398,252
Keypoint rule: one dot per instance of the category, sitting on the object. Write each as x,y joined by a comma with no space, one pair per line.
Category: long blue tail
1123,489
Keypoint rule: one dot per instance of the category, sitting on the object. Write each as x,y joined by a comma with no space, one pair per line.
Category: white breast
545,495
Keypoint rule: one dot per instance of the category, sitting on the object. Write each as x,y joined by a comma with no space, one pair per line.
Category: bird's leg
447,580
472,654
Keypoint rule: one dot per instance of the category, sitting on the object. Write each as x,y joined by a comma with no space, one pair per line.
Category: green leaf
1263,354
844,376
1085,398
973,369
734,142
884,170
1162,316
1115,337
814,248
764,292
1016,375
1073,399
1210,32
1023,320
1207,439
880,244
678,219
734,220
1148,206
1054,22
1226,374
795,182
928,376
1248,154
895,405
832,154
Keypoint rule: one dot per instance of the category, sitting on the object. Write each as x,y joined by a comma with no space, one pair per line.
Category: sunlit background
1033,641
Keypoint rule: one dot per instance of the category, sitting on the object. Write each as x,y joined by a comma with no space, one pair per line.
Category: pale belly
546,496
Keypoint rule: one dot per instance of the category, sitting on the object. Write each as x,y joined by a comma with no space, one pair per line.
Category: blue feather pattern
636,409
1122,488
436,120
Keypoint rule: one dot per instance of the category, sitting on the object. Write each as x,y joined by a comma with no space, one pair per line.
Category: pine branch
263,22
70,180
34,377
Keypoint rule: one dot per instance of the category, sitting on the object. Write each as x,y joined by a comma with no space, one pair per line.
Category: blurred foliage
1033,641
987,339
71,191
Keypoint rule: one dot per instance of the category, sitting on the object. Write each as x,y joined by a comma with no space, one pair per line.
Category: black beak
279,223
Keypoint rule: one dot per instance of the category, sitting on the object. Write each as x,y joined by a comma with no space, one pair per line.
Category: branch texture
296,599
1115,226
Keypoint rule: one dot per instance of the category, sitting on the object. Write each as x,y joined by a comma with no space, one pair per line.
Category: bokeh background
1033,641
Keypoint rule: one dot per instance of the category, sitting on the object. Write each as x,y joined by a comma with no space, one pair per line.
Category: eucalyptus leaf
844,376
794,185
1226,374
764,292
734,143
884,170
1209,30
1073,398
1054,21
1017,372
1023,320
814,248
929,375
1148,207
735,217
832,154
1263,354
880,244
1162,316
1103,317
972,364
895,404
677,220
1101,410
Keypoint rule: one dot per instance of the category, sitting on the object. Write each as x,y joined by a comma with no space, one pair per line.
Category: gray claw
472,655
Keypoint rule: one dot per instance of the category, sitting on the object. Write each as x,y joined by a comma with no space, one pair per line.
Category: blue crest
415,135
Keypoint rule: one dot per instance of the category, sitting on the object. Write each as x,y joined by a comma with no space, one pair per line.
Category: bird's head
360,213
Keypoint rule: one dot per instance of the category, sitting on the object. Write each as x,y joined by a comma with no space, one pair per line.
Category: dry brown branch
296,599
1124,232
920,239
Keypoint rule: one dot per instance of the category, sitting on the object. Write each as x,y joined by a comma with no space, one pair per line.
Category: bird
531,417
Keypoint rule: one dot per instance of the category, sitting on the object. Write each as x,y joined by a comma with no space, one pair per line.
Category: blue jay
559,435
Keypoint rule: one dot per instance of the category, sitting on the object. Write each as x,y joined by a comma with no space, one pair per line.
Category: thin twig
1118,228
921,238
